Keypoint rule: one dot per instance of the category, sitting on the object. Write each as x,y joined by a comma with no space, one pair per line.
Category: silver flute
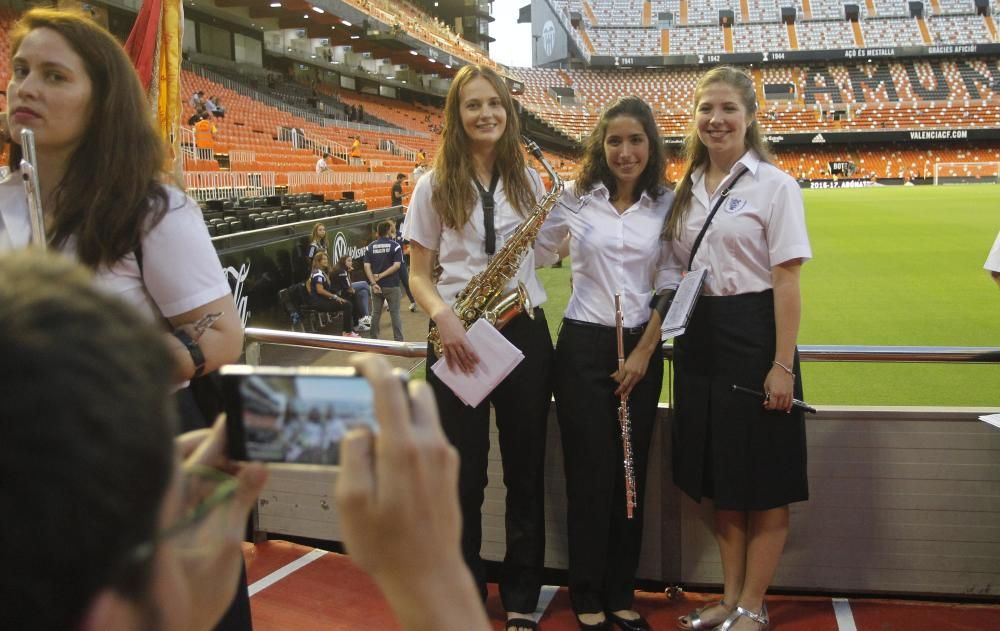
31,188
623,419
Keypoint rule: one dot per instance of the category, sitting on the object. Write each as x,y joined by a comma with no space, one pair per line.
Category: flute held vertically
29,160
624,423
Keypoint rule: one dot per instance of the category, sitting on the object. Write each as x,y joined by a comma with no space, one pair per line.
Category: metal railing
242,156
820,353
207,185
338,177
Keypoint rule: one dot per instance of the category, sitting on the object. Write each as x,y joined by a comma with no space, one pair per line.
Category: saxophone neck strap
722,197
489,205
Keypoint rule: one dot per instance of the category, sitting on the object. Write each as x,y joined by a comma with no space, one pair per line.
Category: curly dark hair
594,166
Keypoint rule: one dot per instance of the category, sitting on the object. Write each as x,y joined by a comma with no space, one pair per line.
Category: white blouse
462,252
609,252
181,267
760,224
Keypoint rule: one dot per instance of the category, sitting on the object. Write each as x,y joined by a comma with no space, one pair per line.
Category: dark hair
111,192
594,165
342,262
383,228
87,453
453,194
326,154
400,176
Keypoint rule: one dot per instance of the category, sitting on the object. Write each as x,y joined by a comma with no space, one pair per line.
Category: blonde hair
453,195
695,152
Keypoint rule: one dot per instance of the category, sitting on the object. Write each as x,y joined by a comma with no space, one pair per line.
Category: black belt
628,330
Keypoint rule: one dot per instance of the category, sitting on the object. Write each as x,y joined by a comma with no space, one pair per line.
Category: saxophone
484,296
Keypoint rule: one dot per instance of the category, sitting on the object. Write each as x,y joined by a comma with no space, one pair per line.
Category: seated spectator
322,298
199,111
322,166
216,103
357,291
196,99
317,242
99,491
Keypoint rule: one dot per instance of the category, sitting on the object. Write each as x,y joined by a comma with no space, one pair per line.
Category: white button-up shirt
462,252
180,267
760,224
610,253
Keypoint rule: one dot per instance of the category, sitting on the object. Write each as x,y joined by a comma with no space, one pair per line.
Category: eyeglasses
202,526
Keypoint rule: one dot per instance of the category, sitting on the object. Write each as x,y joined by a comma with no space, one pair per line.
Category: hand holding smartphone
293,415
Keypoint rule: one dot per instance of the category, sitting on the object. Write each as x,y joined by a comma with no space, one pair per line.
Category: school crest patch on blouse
735,205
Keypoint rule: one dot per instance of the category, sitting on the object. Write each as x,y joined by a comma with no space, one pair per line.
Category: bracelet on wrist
193,349
783,367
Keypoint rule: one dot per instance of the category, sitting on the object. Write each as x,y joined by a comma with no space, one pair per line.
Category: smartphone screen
293,415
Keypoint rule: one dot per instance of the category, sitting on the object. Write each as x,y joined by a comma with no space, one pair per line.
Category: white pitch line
285,570
845,619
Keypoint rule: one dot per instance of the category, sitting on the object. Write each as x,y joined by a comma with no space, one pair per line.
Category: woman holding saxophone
462,214
613,215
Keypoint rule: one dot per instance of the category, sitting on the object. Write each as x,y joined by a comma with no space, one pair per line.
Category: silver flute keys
29,160
623,418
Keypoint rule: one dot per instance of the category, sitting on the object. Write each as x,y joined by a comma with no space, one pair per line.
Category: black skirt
726,446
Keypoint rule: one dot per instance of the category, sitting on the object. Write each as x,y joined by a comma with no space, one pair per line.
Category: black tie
488,206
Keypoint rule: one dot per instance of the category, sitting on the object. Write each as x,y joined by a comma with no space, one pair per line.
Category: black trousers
521,402
603,543
329,305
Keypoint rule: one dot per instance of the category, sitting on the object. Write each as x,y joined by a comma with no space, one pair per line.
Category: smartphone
294,415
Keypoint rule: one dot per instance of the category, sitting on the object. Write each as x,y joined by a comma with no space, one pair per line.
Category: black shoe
639,624
520,623
603,625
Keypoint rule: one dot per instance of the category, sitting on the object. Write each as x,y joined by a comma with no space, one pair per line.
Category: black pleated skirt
726,446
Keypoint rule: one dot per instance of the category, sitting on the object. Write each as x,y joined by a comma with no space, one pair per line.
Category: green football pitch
892,266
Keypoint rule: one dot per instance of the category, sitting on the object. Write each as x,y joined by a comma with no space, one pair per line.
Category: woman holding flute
609,220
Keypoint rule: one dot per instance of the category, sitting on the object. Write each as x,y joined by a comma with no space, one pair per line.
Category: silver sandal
694,618
760,618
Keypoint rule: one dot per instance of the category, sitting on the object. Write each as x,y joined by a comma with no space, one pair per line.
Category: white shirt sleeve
669,269
787,238
180,266
423,224
554,230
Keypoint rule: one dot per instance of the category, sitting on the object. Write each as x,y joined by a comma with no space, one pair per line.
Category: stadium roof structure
342,25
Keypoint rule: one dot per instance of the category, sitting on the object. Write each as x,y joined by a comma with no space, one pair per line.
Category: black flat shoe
639,624
520,623
603,625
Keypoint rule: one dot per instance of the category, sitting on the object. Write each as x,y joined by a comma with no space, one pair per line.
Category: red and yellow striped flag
154,46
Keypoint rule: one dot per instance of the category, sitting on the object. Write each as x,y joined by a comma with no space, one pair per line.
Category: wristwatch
195,351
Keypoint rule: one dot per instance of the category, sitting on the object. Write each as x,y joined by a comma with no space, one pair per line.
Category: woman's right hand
457,349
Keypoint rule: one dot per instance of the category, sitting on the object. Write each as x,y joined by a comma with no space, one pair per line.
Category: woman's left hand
629,375
778,387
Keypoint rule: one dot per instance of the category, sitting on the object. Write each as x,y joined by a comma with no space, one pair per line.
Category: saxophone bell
510,306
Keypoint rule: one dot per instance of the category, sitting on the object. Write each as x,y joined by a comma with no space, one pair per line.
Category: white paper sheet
992,419
682,306
497,358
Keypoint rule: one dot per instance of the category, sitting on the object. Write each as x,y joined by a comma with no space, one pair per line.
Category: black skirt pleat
726,446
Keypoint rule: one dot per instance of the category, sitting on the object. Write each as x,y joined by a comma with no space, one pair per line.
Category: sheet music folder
682,306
